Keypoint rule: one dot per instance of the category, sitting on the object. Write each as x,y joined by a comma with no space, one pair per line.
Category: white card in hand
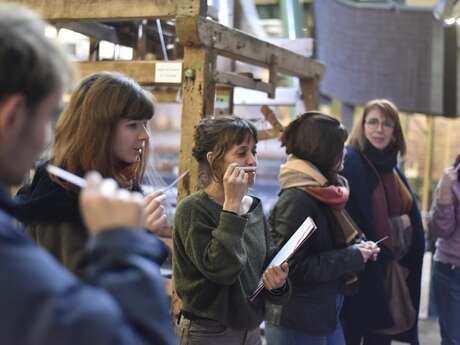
290,247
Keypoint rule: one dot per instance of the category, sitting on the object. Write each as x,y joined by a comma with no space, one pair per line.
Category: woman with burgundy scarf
383,205
323,269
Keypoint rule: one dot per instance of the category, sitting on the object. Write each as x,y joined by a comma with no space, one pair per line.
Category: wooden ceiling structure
201,40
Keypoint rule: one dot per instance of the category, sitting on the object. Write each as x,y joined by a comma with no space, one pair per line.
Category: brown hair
389,110
218,135
30,63
85,131
317,138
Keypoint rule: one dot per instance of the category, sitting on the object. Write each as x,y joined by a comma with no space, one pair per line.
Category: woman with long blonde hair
103,128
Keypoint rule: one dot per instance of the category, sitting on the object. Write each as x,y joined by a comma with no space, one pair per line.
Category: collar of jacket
46,202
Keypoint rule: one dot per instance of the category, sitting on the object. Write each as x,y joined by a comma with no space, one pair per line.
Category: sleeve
441,217
280,296
123,302
216,250
319,266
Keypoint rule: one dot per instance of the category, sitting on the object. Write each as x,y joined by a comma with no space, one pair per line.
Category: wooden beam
270,116
242,81
265,134
141,71
101,10
237,45
99,31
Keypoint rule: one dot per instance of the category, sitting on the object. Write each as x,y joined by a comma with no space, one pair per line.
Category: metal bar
162,40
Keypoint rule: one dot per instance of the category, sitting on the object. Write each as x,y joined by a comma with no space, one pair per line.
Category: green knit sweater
218,260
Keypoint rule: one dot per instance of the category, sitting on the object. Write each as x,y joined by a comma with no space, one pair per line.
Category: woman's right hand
369,250
105,206
235,183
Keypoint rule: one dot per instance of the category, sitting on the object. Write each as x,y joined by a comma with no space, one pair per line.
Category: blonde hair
85,131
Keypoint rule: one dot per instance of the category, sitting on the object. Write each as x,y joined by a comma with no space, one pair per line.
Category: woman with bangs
103,128
221,241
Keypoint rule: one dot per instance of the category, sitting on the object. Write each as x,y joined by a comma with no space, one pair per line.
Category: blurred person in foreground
123,300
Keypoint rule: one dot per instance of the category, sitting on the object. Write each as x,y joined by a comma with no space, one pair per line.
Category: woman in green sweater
221,241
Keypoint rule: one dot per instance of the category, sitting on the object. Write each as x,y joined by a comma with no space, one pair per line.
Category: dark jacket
52,218
317,269
123,301
358,314
218,260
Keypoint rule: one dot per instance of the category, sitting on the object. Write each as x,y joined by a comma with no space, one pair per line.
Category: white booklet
304,231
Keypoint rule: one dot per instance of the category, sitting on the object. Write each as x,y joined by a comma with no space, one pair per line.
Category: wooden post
428,165
141,46
192,8
310,92
198,93
93,49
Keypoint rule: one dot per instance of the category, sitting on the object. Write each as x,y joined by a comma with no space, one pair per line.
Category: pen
173,183
65,175
382,239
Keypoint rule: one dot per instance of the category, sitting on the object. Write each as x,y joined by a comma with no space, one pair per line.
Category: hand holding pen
369,249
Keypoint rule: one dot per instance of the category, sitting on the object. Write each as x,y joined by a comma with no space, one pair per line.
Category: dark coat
52,218
317,268
368,310
123,301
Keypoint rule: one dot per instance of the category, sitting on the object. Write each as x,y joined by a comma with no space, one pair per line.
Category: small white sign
168,72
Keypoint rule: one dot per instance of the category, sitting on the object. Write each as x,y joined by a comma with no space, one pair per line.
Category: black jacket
317,269
51,215
52,218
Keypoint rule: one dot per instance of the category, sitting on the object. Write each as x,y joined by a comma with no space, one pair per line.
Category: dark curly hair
218,134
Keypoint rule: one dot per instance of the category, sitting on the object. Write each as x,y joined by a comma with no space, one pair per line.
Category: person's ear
209,157
12,114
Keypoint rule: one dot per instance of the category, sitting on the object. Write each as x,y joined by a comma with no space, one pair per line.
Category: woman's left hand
275,277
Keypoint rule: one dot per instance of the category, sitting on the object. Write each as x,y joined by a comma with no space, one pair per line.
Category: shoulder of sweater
196,203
